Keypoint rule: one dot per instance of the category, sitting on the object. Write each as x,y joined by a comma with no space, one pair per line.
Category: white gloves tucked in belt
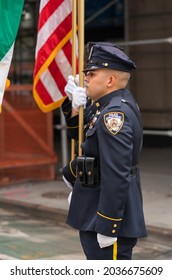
68,184
105,241
69,197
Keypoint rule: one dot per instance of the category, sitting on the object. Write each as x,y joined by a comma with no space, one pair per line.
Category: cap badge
105,64
114,121
90,54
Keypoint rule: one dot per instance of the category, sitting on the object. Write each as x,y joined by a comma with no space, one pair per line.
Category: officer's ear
111,81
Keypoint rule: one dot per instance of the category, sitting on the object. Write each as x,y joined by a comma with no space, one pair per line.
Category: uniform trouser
121,250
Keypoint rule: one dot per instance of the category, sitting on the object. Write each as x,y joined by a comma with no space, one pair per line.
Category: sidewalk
49,199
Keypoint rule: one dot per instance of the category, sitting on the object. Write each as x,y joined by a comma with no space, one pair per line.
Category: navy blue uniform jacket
113,208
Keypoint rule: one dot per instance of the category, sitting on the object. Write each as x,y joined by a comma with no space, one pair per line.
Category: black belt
88,171
133,170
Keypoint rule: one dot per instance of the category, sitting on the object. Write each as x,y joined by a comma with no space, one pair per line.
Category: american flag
53,57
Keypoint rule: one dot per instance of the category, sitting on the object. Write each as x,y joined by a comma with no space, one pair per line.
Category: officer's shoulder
117,106
115,102
120,102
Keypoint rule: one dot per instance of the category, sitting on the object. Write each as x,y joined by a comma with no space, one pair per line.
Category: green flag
10,15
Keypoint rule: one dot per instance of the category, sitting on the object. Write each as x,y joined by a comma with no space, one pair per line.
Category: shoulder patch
114,121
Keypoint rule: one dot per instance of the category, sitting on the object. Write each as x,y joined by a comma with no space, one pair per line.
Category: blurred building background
30,144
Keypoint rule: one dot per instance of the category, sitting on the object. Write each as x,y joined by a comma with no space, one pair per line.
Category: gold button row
115,225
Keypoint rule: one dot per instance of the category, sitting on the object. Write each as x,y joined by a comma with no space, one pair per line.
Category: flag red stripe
43,93
58,77
47,11
67,51
52,42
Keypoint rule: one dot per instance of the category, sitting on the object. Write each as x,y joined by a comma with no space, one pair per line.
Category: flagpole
74,16
81,16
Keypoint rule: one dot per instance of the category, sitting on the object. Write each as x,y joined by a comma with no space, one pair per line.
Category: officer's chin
87,92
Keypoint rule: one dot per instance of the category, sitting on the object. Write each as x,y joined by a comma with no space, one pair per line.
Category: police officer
106,202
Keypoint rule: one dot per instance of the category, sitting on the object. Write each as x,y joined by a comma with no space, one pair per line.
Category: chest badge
94,119
114,121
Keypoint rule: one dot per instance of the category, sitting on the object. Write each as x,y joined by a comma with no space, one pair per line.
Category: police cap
107,55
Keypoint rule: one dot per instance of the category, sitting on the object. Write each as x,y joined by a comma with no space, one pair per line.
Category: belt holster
88,170
80,169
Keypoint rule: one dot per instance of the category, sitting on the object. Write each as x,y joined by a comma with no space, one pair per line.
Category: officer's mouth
87,89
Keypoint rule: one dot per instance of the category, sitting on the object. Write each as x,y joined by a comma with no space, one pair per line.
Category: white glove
79,98
77,80
69,197
105,241
68,184
70,86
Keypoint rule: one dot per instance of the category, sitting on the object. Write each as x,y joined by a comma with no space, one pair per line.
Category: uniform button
115,225
113,231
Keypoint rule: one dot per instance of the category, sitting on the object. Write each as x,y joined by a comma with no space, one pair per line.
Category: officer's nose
86,78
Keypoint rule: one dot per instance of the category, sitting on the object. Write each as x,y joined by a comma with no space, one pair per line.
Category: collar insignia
114,121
